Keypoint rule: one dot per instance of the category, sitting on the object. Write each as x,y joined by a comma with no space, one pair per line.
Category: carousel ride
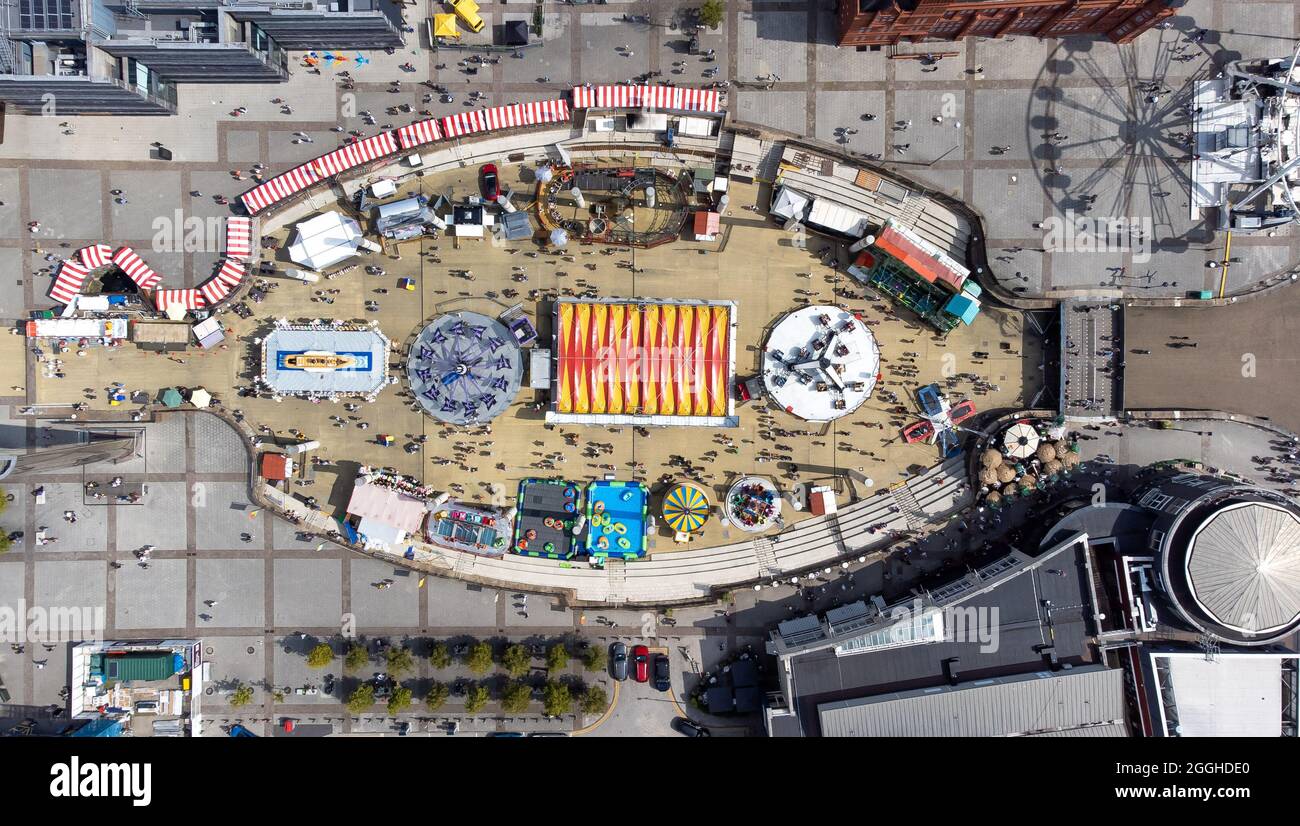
1025,458
464,368
633,206
686,508
754,504
820,363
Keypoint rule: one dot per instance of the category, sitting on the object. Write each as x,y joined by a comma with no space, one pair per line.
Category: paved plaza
976,126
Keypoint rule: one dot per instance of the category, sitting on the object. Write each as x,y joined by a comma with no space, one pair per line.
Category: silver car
618,660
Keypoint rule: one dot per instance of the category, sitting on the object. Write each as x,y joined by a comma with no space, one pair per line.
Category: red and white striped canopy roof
68,283
135,269
424,131
280,187
95,256
219,286
650,97
355,154
464,123
189,299
239,237
505,117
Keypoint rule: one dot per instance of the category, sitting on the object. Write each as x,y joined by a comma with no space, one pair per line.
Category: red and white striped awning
657,97
505,117
68,283
239,237
355,154
189,299
135,269
425,131
279,188
464,123
95,256
219,286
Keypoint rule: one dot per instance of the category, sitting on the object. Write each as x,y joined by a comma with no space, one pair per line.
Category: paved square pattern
225,515
395,606
159,520
88,533
151,597
1077,127
308,593
70,584
238,588
50,191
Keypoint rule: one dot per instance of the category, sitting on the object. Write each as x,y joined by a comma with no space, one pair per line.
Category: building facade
126,57
889,22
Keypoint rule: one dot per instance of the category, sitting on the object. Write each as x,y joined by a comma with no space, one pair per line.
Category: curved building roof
1243,566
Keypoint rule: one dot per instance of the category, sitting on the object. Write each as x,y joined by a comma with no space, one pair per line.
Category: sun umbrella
1020,441
686,508
1062,448
988,476
1046,453
1006,474
171,397
200,398
1053,467
1070,460
991,458
559,237
993,498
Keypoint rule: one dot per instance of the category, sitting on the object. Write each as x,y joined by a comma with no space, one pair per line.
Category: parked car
505,734
488,179
663,682
618,660
689,727
641,656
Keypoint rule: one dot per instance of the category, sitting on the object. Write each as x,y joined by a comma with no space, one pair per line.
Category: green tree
557,657
440,656
711,13
516,660
595,658
356,658
476,699
438,694
557,700
516,698
242,696
593,700
277,696
479,660
320,656
5,543
399,660
400,700
362,699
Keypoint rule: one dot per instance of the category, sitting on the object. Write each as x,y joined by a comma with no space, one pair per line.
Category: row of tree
479,659
557,698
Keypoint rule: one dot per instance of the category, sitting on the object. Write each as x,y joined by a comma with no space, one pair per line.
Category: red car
641,657
488,179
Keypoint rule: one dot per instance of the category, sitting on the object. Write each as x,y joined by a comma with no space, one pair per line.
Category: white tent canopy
1020,441
325,240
